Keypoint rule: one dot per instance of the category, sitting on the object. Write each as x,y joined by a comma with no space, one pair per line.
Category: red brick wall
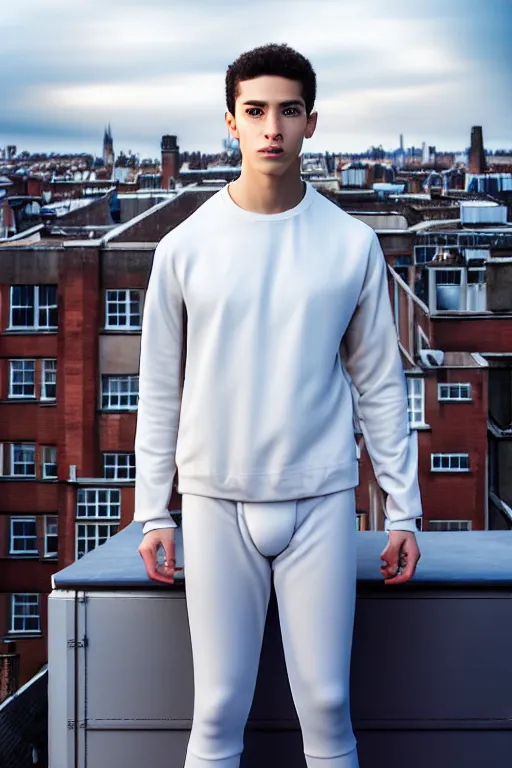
489,334
77,367
454,428
33,650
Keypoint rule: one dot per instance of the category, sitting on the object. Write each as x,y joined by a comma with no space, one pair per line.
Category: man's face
270,112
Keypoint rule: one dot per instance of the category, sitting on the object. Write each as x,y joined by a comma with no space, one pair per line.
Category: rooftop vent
431,357
482,212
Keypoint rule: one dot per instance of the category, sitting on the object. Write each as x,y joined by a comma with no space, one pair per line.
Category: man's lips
271,150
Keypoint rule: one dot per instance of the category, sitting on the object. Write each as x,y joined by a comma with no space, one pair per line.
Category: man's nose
272,126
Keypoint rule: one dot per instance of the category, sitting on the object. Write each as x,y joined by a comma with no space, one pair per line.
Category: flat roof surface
468,558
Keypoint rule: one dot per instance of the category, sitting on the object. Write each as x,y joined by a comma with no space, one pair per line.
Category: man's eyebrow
289,103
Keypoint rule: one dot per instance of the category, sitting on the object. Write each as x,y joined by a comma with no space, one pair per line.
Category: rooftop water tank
482,212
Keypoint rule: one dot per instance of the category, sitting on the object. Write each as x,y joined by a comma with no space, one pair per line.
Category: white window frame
23,446
413,397
47,452
452,460
37,307
13,536
33,600
111,399
98,504
86,532
51,520
49,366
455,525
460,387
464,292
23,363
121,299
121,466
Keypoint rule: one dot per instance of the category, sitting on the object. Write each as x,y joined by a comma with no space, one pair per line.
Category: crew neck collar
254,216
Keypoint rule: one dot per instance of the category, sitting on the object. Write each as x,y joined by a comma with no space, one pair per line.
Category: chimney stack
477,163
170,161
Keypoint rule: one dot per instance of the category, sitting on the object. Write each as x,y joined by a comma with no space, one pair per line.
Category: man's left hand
401,557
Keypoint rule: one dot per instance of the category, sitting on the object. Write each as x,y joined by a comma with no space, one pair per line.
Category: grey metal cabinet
431,680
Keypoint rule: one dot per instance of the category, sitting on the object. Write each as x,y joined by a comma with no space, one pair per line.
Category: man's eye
294,110
251,111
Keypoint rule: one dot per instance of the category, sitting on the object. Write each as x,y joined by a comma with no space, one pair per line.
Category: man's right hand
148,550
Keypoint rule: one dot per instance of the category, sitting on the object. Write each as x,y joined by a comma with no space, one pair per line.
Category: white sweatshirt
280,308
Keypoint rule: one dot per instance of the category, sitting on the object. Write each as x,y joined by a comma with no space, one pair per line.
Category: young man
286,297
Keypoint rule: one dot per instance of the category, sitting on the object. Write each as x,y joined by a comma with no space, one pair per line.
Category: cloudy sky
429,70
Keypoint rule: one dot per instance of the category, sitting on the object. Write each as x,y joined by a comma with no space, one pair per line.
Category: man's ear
311,125
231,124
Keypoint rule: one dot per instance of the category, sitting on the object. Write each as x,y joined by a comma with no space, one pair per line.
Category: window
92,535
454,392
449,462
120,392
49,462
98,502
416,401
25,613
119,466
458,288
33,307
424,253
23,459
123,309
449,525
49,380
22,378
51,535
23,536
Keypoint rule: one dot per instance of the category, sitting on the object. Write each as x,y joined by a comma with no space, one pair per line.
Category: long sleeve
371,356
159,394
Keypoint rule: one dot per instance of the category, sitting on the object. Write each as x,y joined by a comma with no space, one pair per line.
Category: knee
219,713
329,727
331,702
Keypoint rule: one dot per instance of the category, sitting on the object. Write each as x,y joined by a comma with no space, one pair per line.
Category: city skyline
429,74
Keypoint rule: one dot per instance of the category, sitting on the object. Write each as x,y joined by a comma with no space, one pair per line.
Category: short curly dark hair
271,59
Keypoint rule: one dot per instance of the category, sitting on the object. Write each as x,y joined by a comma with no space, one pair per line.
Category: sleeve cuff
401,525
161,522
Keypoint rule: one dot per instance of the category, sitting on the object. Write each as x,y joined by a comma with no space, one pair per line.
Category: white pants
227,546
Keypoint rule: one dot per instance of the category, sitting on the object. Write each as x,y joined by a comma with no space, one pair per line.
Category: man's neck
261,193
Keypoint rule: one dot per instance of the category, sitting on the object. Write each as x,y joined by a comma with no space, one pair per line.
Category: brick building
71,304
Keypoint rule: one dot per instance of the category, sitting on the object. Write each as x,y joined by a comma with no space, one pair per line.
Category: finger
148,555
170,551
400,578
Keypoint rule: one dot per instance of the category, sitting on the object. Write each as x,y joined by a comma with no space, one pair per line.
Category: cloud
383,68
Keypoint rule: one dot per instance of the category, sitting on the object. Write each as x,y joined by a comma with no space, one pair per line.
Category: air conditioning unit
431,357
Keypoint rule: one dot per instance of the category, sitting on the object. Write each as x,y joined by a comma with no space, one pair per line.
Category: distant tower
108,148
170,161
401,142
477,162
